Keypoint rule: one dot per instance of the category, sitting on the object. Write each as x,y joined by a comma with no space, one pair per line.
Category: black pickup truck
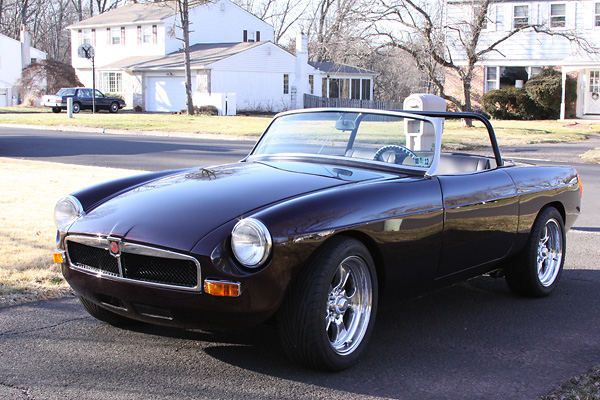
82,100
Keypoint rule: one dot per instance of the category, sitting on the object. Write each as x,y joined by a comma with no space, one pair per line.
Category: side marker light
222,288
58,256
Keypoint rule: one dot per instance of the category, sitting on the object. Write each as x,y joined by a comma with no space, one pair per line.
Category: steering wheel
399,150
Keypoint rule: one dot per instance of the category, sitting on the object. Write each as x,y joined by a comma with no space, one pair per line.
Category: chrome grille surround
102,245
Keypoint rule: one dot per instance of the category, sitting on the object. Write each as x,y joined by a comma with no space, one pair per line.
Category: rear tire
104,315
537,271
56,110
76,107
327,317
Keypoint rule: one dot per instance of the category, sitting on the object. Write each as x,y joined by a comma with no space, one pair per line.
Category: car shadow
472,340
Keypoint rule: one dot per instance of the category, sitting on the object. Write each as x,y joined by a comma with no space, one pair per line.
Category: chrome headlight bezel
251,243
67,210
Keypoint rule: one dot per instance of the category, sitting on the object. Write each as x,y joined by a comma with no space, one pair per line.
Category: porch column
563,95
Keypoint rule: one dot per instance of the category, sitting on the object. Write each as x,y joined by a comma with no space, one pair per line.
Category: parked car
82,100
331,208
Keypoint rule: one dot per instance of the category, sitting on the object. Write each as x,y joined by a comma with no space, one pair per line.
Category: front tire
328,315
114,107
540,266
103,314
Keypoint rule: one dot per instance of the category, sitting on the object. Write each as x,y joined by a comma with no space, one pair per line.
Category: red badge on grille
114,248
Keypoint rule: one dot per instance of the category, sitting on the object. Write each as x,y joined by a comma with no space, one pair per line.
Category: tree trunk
467,122
185,24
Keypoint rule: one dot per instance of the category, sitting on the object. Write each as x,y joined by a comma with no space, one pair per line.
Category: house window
87,37
355,89
115,35
366,89
597,14
491,80
33,60
334,88
147,34
521,16
594,81
111,82
558,15
311,83
345,88
286,83
533,71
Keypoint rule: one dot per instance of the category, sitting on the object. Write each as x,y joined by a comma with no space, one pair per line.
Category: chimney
301,81
25,47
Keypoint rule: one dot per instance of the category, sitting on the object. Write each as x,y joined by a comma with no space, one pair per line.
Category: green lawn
237,125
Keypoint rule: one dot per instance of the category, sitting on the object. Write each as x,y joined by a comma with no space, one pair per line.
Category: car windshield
66,92
382,137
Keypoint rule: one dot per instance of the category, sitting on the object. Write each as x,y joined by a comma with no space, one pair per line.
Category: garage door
166,93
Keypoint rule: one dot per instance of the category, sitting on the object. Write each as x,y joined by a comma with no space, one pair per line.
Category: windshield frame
431,171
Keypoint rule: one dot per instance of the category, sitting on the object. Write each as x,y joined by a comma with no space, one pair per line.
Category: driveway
474,340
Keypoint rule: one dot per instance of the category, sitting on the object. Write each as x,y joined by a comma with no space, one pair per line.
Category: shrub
546,89
46,77
513,103
206,110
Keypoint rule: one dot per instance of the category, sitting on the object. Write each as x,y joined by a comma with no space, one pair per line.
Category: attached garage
165,93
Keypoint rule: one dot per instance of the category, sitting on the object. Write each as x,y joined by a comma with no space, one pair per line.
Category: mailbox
420,135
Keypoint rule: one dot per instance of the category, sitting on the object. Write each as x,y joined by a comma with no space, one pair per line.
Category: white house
14,57
235,64
525,54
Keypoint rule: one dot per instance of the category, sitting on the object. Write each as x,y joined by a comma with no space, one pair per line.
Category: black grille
89,257
151,269
159,270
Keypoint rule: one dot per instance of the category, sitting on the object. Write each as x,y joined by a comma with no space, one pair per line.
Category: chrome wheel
536,270
328,315
550,252
348,307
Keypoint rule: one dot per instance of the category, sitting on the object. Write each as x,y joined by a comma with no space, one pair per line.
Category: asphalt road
474,340
150,153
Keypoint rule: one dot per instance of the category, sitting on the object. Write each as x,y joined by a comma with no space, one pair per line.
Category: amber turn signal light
222,288
58,256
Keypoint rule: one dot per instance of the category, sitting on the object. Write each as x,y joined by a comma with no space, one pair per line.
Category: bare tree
433,41
181,31
281,15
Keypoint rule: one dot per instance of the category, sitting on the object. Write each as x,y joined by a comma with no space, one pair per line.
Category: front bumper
145,292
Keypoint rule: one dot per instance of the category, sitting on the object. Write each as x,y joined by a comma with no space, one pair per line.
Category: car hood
177,211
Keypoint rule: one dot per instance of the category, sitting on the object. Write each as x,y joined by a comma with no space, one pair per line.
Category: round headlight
251,242
67,210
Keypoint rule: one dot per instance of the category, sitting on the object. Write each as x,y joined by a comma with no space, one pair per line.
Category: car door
102,102
480,219
85,98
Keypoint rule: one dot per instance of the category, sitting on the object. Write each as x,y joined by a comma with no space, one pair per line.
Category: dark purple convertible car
331,208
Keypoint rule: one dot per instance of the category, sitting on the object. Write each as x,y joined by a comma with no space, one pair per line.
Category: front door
481,214
592,93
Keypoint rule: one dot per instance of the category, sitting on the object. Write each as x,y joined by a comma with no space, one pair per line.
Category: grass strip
509,133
